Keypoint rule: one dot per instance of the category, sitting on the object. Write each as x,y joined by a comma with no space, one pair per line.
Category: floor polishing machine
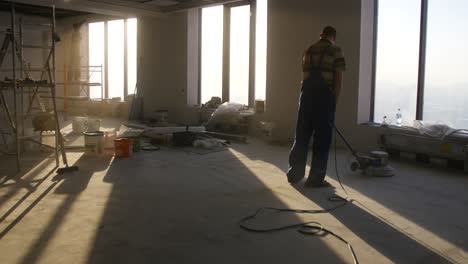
374,163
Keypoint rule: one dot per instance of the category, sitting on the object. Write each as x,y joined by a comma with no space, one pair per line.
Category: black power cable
307,228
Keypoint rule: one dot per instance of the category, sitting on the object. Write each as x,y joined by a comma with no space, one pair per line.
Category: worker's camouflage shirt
333,60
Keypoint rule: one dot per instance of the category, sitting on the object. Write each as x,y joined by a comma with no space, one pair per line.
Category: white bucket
82,124
94,141
79,124
94,125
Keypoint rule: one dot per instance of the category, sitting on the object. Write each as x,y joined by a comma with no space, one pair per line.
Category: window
420,61
446,86
96,57
131,55
261,49
396,79
121,57
226,49
212,53
239,57
115,58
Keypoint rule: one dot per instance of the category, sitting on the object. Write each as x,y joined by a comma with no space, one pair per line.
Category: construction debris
230,118
215,102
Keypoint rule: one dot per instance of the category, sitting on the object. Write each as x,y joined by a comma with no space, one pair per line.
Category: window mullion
125,59
226,52
200,16
374,59
106,56
253,12
422,61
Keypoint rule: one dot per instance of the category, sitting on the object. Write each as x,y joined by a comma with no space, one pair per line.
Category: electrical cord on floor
311,227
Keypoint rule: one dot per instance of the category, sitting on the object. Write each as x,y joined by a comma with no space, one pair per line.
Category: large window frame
421,62
226,51
105,66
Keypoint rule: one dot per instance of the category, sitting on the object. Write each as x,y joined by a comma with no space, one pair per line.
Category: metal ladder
18,87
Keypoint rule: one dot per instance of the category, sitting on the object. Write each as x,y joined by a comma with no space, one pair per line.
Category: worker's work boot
313,184
294,176
316,178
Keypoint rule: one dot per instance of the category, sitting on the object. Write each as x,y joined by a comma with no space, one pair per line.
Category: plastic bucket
79,124
84,124
94,141
93,125
123,147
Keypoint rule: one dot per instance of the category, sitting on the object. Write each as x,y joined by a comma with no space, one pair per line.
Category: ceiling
39,10
165,5
110,7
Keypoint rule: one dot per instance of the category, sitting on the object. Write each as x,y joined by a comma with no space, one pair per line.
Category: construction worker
322,66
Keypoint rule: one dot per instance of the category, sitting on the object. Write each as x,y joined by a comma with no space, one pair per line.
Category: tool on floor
67,168
375,163
137,93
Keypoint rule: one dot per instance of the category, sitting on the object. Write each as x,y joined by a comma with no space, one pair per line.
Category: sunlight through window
212,53
397,59
261,49
239,55
115,58
131,54
96,56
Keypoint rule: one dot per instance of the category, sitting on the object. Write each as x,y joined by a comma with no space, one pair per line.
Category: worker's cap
328,31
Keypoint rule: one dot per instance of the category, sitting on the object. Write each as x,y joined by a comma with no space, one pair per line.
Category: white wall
162,47
292,26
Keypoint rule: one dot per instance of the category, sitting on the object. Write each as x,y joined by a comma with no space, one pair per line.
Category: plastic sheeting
437,130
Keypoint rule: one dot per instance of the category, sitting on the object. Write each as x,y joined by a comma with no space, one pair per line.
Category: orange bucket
123,147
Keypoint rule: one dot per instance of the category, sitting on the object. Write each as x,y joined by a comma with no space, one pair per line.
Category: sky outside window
261,50
115,59
239,55
397,59
131,54
96,56
446,91
212,53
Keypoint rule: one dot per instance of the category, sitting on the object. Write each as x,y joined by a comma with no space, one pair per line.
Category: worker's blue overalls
316,116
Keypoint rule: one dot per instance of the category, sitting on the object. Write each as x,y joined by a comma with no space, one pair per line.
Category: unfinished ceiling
127,7
165,5
34,10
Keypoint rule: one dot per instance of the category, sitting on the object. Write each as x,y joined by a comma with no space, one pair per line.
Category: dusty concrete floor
177,207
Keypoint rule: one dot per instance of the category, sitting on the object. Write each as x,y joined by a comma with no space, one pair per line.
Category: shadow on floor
430,196
36,161
176,207
70,184
88,164
389,241
386,239
13,182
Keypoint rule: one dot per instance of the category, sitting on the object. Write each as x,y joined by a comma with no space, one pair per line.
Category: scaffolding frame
84,84
16,115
